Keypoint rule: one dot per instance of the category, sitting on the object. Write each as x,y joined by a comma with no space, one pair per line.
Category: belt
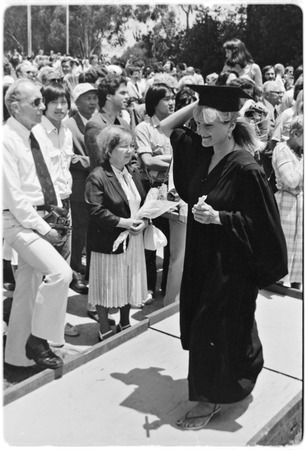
65,202
38,208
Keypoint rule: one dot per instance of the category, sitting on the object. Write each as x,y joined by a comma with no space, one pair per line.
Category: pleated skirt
121,279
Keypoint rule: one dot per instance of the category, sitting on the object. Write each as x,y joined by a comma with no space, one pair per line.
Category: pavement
130,389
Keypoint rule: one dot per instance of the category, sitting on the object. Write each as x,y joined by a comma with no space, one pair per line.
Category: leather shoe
77,284
43,355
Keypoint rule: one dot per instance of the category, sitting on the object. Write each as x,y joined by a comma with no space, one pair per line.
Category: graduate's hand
204,213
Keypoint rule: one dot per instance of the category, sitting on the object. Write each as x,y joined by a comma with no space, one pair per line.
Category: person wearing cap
86,100
235,246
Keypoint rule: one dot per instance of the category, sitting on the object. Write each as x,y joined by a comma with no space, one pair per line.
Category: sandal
183,423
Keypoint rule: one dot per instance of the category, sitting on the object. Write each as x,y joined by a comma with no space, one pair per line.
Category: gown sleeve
184,144
256,229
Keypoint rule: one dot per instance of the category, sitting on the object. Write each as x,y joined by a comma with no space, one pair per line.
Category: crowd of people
84,142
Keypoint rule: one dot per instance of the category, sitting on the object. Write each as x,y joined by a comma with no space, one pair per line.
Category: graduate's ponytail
245,136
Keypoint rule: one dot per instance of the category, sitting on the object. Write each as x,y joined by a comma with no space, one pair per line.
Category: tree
275,34
160,41
15,28
187,10
200,44
89,25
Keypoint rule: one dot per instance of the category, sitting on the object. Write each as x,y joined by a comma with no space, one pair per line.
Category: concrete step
133,394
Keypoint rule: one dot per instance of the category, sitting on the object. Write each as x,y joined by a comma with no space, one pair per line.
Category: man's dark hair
52,91
154,94
108,86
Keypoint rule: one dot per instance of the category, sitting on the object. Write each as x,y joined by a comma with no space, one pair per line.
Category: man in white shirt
54,134
43,276
272,92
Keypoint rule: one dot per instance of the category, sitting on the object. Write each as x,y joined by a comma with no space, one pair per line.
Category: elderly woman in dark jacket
114,193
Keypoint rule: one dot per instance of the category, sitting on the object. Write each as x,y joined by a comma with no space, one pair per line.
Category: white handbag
154,238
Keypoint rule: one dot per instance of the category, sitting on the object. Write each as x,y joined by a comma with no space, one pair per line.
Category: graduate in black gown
235,246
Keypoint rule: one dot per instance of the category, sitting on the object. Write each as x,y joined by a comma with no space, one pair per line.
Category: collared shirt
21,187
60,145
127,183
151,139
135,90
84,120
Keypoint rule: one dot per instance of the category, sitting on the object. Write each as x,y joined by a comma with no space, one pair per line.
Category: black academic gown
224,268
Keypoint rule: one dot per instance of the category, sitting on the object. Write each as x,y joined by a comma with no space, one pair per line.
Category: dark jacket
107,203
92,130
80,168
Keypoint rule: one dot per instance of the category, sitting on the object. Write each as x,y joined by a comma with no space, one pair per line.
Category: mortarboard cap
222,98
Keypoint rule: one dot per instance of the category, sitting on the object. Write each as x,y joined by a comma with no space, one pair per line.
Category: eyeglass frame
38,100
276,92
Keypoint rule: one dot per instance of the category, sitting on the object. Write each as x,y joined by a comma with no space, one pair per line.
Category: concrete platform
280,322
133,394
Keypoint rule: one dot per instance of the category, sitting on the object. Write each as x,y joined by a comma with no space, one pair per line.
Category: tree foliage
15,28
272,32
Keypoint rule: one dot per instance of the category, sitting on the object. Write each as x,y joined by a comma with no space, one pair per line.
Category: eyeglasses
127,147
35,103
56,80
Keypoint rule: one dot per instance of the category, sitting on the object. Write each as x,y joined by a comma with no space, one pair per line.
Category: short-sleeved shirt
151,139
